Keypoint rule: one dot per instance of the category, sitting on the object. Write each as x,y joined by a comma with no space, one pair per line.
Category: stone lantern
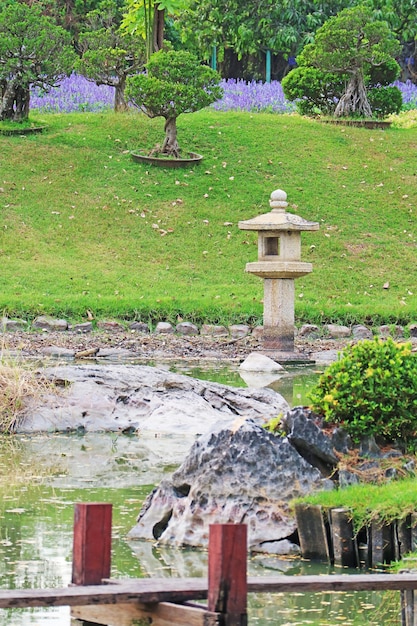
279,264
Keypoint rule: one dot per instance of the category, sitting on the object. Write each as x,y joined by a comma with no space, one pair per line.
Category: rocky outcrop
236,473
126,398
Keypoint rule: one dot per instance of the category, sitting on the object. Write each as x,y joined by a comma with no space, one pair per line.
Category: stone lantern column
279,264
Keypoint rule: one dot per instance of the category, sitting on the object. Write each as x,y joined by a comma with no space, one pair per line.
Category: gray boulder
236,473
303,429
125,398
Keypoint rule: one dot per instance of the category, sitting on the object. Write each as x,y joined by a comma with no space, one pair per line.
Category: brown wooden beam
91,543
154,590
161,614
227,578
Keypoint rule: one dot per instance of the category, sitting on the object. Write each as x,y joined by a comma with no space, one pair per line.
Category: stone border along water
306,331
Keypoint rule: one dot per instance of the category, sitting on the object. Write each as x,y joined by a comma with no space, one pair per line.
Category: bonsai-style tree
109,55
175,83
34,51
349,44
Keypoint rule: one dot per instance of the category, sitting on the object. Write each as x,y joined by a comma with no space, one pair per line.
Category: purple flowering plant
76,93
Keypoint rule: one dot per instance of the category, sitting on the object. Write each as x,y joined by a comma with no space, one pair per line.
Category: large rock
303,429
236,473
137,397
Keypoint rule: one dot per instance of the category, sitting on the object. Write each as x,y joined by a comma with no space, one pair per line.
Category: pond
43,476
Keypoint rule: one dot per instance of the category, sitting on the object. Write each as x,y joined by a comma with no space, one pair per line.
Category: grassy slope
84,227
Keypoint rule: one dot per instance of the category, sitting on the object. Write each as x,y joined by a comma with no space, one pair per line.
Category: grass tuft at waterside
19,384
384,503
84,228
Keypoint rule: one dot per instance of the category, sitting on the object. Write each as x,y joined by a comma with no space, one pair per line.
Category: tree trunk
120,103
22,99
354,101
14,103
158,29
170,145
7,101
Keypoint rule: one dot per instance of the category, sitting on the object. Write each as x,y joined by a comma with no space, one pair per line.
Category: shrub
314,91
383,74
371,390
385,100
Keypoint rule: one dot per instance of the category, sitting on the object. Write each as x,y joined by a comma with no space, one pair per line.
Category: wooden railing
96,599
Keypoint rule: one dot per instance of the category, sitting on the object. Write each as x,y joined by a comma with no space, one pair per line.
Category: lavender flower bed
409,93
253,96
76,93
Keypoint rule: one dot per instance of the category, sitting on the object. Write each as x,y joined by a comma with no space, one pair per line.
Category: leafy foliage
175,83
147,18
313,90
109,55
371,390
279,26
34,51
385,100
350,44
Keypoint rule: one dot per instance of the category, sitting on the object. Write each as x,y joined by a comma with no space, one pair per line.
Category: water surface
43,476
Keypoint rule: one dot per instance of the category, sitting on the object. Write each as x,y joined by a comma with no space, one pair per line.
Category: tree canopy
109,54
34,51
349,43
175,83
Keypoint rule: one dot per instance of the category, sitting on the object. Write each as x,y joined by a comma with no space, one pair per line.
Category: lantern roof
278,218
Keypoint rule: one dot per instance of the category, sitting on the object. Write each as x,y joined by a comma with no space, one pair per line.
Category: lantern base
293,358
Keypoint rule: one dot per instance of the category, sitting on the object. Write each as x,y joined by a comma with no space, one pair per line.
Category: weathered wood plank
342,582
227,577
381,543
344,548
312,532
147,590
180,590
162,614
91,543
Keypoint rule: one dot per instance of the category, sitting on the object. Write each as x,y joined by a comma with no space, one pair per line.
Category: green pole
214,58
268,66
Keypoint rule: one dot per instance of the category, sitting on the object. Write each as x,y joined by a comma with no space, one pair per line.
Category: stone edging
48,323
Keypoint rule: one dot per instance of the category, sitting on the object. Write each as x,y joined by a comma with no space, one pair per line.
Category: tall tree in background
282,26
34,52
147,18
109,55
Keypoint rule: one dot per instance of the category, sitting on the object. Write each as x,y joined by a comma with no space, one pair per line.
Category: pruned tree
349,43
109,55
175,83
34,51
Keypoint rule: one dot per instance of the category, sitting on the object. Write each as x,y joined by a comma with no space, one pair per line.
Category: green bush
385,101
371,390
315,91
383,74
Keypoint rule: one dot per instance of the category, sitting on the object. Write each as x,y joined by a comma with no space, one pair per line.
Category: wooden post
92,543
227,575
312,532
344,546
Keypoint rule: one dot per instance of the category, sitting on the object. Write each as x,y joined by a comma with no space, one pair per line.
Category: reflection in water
41,477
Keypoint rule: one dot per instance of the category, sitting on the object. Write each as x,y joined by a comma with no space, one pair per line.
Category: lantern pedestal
279,264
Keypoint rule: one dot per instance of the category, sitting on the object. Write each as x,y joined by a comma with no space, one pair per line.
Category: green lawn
84,227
